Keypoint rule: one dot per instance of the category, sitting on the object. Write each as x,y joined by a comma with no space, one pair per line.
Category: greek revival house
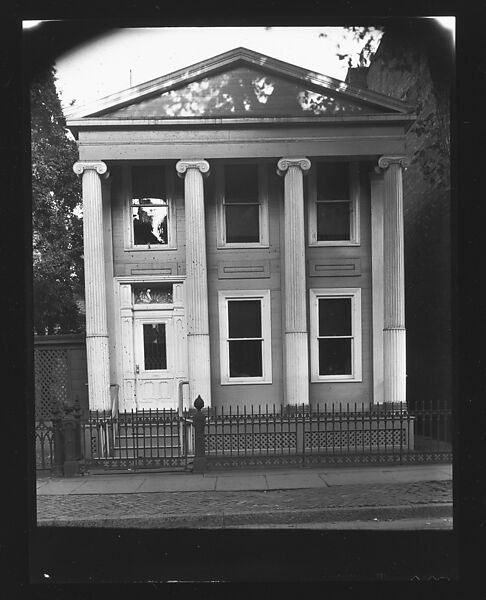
243,239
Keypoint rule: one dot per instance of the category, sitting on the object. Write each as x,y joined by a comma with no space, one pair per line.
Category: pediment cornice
225,62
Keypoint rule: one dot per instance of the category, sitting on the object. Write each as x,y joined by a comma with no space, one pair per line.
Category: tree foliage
57,224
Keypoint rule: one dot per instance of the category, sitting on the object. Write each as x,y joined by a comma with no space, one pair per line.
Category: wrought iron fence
338,434
169,439
47,445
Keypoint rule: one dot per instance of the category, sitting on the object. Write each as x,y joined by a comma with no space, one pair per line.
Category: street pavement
398,497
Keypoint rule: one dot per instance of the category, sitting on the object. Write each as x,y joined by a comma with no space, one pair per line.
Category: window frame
171,212
356,334
354,219
263,204
224,297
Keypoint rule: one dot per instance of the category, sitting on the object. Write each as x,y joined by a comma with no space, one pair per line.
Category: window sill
331,379
246,382
241,246
336,243
151,249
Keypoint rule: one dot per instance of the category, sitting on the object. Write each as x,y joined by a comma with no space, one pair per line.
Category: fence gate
158,439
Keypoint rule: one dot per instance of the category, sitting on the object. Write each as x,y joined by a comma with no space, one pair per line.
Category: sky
131,56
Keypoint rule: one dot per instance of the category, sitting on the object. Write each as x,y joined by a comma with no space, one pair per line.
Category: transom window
336,334
333,205
243,205
150,207
245,343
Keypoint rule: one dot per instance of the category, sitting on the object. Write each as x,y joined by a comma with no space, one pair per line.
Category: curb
226,521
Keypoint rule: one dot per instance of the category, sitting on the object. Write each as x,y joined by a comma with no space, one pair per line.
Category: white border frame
264,296
356,349
127,210
262,196
354,207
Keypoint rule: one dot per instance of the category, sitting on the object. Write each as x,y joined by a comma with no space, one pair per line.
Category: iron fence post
72,441
57,467
199,465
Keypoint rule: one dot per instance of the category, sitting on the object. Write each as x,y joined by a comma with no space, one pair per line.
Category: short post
57,467
72,441
199,421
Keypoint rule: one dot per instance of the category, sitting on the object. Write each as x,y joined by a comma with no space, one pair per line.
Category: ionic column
196,279
296,372
97,352
394,335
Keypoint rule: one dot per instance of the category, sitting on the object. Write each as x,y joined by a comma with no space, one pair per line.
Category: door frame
124,338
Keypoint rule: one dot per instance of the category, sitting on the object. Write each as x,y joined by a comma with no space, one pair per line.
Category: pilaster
295,335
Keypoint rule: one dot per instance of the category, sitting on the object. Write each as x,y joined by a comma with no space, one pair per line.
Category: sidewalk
277,497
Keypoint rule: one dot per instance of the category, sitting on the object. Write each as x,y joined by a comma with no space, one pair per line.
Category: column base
296,369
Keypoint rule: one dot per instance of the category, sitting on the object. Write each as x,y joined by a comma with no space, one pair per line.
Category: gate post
57,468
72,441
199,420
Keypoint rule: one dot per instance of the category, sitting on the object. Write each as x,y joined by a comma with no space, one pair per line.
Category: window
154,347
245,337
333,205
150,208
335,319
243,205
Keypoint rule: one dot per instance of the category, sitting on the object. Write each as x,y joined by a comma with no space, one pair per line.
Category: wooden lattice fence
60,373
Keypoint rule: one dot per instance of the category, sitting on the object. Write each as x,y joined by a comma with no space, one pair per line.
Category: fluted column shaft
394,333
196,279
296,373
98,361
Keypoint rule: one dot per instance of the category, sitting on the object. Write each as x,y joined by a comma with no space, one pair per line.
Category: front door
154,361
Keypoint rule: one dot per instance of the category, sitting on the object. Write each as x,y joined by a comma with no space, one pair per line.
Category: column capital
284,163
96,165
200,164
385,161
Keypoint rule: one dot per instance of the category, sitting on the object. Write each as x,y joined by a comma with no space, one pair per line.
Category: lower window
335,319
245,336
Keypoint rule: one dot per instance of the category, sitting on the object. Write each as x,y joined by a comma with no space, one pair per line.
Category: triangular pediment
238,84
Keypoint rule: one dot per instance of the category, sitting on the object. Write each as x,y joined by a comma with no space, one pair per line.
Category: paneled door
154,361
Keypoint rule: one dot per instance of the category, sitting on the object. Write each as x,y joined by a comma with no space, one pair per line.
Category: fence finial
198,403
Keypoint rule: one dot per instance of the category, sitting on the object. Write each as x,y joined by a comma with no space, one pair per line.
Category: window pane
149,225
332,181
154,346
245,358
333,221
335,357
242,223
334,316
148,182
241,183
245,318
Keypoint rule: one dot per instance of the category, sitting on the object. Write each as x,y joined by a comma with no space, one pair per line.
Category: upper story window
242,205
333,204
150,208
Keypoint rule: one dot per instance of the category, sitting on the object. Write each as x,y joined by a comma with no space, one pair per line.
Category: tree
57,223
